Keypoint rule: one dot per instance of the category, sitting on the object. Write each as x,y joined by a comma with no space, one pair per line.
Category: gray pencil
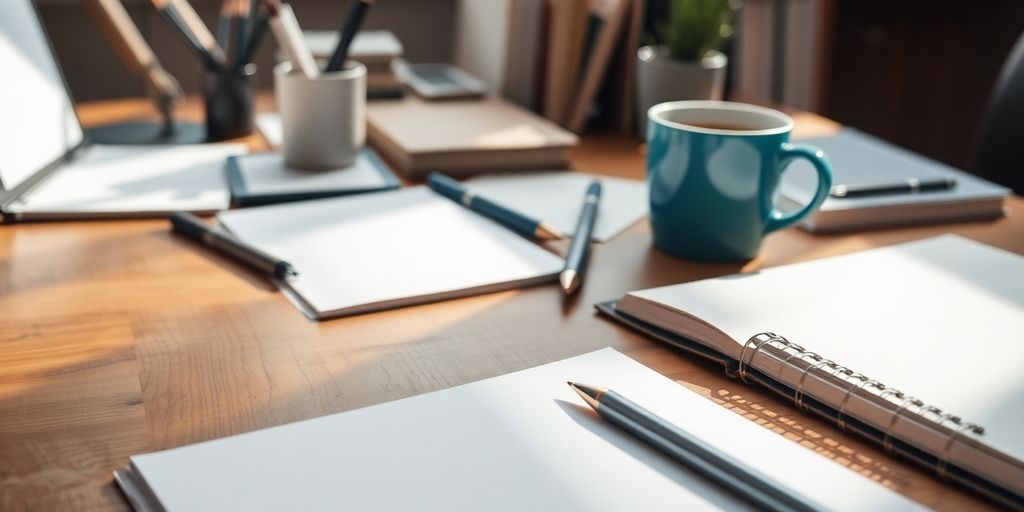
576,259
193,227
756,488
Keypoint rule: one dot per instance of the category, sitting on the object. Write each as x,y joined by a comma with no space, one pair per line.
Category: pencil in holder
323,119
229,102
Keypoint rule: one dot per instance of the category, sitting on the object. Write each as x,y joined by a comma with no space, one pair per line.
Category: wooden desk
119,338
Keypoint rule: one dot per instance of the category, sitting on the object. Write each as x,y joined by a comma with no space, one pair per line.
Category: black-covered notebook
264,178
941,318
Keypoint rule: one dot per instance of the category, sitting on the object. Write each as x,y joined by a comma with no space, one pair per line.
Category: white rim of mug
654,114
353,69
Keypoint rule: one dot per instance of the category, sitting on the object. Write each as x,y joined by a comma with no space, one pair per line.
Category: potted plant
685,63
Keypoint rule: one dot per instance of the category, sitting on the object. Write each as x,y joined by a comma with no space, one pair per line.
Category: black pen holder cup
229,106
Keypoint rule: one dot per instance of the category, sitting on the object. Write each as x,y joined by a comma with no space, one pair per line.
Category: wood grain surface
117,338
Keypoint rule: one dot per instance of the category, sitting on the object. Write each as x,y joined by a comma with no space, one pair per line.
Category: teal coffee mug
713,168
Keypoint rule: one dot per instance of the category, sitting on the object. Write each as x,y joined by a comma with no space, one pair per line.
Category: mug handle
788,152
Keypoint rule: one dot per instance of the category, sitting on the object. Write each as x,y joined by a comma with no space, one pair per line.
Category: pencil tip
569,280
546,232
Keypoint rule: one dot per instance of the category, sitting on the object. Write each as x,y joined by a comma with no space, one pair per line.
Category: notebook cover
241,196
860,158
930,462
464,134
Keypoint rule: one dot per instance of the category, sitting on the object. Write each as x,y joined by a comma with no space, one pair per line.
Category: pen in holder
229,109
323,119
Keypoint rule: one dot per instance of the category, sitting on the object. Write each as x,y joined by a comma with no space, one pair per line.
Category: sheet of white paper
136,179
269,125
266,173
388,249
523,441
557,198
941,319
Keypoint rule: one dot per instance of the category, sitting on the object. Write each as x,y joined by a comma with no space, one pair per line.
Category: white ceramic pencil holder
323,120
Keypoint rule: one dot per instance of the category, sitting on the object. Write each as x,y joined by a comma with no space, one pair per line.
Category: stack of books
379,50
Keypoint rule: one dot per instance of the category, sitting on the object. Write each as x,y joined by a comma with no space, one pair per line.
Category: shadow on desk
797,430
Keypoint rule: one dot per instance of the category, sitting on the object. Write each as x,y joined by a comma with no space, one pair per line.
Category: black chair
999,156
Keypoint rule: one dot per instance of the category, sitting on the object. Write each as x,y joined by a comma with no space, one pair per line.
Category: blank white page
266,173
941,319
557,198
388,249
135,179
523,441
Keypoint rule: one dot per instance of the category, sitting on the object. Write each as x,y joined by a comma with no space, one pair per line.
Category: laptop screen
37,119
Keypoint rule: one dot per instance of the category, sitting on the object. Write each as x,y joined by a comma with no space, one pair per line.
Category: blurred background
915,72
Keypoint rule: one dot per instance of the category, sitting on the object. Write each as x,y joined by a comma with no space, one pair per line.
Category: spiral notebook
916,346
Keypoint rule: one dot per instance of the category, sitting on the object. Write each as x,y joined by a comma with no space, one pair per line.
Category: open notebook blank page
941,319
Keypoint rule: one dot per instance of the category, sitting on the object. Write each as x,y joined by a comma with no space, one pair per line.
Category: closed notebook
465,137
860,159
940,319
522,441
264,178
389,249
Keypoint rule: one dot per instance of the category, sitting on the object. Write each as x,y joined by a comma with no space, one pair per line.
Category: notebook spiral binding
858,383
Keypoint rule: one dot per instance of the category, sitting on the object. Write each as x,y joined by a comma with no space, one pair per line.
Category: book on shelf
604,33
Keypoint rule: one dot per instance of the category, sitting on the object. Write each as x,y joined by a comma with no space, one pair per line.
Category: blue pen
530,228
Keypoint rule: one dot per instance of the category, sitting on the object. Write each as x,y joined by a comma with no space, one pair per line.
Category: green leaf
696,27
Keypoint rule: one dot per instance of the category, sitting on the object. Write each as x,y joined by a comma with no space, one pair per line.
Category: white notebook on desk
389,249
523,441
941,319
860,159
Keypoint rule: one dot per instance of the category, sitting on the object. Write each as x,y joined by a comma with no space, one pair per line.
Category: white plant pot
661,78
